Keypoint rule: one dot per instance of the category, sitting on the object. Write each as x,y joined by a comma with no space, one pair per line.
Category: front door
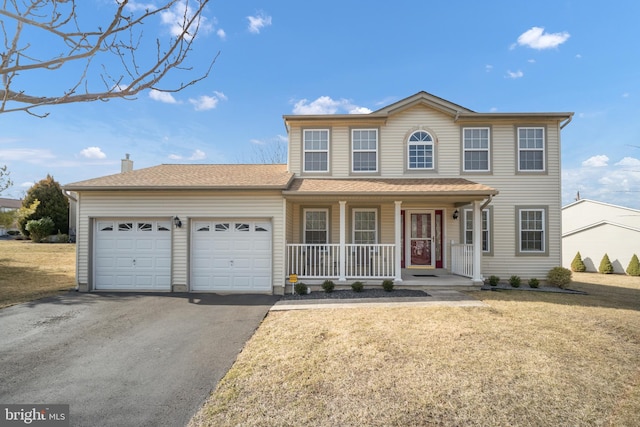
420,226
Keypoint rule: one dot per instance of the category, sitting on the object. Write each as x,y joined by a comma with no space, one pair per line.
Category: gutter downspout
485,204
566,122
68,195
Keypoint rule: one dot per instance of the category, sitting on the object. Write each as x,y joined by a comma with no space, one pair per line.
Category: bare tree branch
125,68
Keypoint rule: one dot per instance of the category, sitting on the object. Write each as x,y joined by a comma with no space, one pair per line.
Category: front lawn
30,271
536,359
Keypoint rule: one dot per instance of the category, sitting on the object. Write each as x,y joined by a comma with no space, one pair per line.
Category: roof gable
425,99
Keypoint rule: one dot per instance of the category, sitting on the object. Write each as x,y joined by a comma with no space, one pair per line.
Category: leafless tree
57,41
5,180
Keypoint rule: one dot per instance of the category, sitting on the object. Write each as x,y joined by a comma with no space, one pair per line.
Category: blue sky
286,57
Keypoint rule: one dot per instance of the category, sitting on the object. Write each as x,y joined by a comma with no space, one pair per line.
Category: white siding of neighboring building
594,228
186,205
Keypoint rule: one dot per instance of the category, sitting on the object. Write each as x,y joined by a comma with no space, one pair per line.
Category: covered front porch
409,231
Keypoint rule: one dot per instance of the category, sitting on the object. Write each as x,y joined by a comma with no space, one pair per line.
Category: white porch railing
462,259
322,261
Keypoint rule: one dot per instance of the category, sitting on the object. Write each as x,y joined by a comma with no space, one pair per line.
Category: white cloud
536,38
165,97
531,61
93,153
629,161
29,155
258,22
598,161
205,102
626,95
198,155
488,68
174,18
578,56
327,105
257,141
134,6
27,184
610,185
514,74
221,33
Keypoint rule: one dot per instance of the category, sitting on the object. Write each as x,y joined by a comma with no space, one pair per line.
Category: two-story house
420,187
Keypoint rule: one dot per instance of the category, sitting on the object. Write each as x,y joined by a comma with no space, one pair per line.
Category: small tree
605,265
577,264
634,266
53,204
39,228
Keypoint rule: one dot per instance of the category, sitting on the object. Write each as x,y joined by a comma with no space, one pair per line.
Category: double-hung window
420,150
316,226
475,146
316,150
364,144
468,229
531,146
365,226
532,228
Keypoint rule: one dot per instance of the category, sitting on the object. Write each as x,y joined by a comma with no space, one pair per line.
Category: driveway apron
122,359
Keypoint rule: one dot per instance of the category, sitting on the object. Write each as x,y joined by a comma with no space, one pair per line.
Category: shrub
514,281
328,286
634,266
605,265
387,285
577,264
534,283
559,276
357,286
494,280
300,288
39,228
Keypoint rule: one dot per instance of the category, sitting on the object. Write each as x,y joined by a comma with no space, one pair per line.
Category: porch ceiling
444,189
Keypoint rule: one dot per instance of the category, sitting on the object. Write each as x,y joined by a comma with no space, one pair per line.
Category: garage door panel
132,255
234,247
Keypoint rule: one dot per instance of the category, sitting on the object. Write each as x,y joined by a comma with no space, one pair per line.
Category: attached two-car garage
225,255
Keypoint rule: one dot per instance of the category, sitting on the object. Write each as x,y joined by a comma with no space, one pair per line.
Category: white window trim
488,150
543,231
543,149
465,230
353,224
305,150
304,224
353,151
433,150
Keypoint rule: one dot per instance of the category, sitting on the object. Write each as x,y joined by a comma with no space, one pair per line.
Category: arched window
420,150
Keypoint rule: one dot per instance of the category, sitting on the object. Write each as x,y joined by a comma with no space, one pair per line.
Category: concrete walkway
436,298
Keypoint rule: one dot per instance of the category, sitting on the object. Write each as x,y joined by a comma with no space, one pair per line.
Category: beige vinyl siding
521,190
186,205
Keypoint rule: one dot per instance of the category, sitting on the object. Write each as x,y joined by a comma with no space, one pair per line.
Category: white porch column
398,242
477,243
343,241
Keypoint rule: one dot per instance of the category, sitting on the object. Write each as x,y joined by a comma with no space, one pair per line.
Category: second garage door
231,256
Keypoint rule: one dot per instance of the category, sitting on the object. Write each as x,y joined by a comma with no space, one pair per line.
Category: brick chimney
127,164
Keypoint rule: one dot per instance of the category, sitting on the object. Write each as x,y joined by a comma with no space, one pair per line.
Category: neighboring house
420,187
595,228
7,205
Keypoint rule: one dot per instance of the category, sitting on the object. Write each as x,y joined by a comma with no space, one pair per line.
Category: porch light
177,222
456,214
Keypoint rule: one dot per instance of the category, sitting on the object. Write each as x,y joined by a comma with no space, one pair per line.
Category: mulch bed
349,294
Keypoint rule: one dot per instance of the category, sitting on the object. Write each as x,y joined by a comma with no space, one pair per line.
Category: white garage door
132,254
231,256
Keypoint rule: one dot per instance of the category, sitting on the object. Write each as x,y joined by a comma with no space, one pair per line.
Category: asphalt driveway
124,359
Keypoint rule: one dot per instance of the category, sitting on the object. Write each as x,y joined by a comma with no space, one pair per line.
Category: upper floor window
316,150
316,226
475,147
531,149
364,150
420,150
